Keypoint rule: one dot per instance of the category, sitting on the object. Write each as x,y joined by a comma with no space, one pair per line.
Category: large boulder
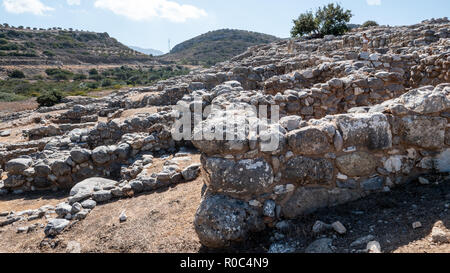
371,130
309,141
101,155
307,170
306,200
357,164
86,188
55,227
221,220
79,155
18,165
426,101
422,131
241,178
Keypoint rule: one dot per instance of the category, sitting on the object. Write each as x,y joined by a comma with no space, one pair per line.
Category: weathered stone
55,227
60,168
308,170
244,177
425,132
100,155
18,165
373,184
89,204
221,220
291,123
371,130
324,245
80,155
356,164
87,186
102,196
191,173
63,209
309,141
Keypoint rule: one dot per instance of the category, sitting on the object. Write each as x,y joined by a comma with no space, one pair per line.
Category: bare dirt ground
17,106
161,222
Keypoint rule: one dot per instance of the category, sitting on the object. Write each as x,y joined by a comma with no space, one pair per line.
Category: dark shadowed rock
221,220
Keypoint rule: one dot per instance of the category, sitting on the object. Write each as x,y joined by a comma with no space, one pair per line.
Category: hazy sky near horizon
151,23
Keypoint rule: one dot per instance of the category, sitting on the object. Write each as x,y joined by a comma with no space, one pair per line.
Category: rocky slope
351,124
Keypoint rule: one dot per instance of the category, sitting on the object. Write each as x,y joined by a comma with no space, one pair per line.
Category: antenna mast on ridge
169,45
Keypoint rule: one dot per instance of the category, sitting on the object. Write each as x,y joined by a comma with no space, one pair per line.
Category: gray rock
320,227
60,168
339,227
55,227
100,155
373,247
309,141
269,208
371,130
137,186
221,220
308,170
244,177
324,245
89,204
18,165
360,242
279,248
357,164
440,234
76,207
5,133
80,155
102,196
63,209
87,186
425,132
123,217
291,123
373,184
81,214
191,173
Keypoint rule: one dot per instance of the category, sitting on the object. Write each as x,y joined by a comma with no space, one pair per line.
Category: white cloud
142,10
373,2
73,2
26,6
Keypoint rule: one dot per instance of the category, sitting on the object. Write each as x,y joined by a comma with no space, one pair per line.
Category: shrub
370,24
331,19
16,74
50,98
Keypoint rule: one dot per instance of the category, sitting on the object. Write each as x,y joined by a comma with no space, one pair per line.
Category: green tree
370,24
50,98
330,19
305,24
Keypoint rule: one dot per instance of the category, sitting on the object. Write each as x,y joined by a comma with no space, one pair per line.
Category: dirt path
161,222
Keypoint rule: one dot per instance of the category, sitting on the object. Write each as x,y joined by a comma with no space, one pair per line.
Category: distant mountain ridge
148,51
216,46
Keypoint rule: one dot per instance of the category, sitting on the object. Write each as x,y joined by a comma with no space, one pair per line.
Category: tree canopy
330,19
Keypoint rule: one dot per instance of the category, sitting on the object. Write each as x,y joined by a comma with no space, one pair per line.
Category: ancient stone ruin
351,123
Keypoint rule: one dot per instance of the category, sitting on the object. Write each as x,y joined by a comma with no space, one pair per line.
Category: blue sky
150,23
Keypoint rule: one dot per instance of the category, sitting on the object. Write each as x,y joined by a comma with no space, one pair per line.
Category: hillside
26,46
148,51
216,46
